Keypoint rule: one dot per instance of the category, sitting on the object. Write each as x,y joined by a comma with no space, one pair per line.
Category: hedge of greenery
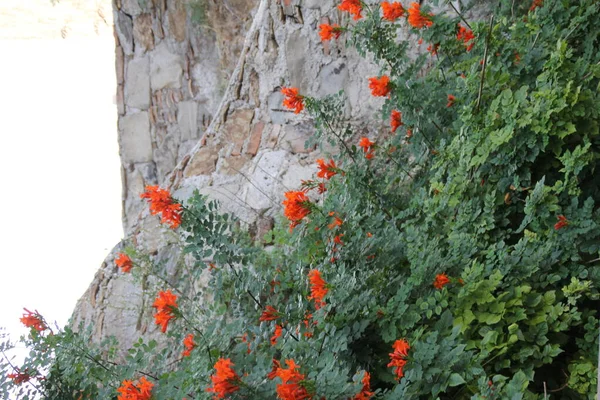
453,256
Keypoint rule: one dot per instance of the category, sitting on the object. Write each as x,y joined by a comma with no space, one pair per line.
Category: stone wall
180,128
172,69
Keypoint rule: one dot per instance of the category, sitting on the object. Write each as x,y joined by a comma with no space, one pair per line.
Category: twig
459,14
545,393
487,45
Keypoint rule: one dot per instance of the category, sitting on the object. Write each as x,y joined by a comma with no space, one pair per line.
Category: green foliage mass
472,189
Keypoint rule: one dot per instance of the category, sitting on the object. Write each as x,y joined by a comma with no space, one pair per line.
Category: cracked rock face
200,108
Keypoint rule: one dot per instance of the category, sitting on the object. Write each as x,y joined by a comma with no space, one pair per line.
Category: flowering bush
455,255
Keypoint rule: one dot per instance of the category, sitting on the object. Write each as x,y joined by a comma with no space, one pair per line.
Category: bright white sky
59,171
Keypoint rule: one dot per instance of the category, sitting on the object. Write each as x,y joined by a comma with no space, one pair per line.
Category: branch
487,45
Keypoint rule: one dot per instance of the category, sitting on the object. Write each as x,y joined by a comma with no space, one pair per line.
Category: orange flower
354,7
225,381
398,357
417,19
33,320
433,48
396,120
440,281
562,222
269,314
276,366
306,322
162,202
450,100
19,377
321,189
517,58
139,391
337,221
293,100
166,307
365,393
392,11
409,133
318,288
380,86
367,147
465,35
326,170
536,4
124,262
291,387
296,207
327,32
338,239
189,345
276,335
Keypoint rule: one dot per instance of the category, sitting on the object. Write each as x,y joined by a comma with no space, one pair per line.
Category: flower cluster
33,320
367,147
365,393
296,207
142,390
293,100
225,381
189,345
162,203
19,377
380,86
318,288
392,11
398,357
328,32
166,307
124,262
396,120
418,19
326,170
440,281
354,7
466,36
291,386
269,314
562,222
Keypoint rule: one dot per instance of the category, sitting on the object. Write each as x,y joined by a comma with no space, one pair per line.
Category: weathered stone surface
237,129
134,135
165,68
187,119
255,138
142,32
137,84
131,7
119,64
177,20
124,29
204,162
295,137
333,77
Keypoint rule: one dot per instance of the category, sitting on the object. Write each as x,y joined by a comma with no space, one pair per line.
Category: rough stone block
142,32
187,119
333,77
255,138
131,7
165,68
204,162
124,29
137,84
177,20
134,133
237,128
